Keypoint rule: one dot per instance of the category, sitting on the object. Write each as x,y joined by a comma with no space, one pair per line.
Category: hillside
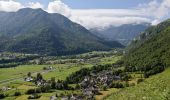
38,32
155,88
124,33
148,33
152,53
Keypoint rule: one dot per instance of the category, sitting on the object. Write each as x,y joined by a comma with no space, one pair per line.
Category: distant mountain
123,34
36,31
151,51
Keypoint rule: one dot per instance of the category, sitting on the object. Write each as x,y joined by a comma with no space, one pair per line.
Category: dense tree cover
153,55
38,32
78,76
18,59
7,63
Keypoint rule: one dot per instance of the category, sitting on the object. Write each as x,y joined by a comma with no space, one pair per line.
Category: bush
45,68
31,91
104,88
78,86
38,90
117,85
17,93
45,88
139,80
2,95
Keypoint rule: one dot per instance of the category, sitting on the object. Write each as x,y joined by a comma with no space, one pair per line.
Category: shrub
45,88
78,86
117,85
139,80
31,91
2,95
17,93
38,90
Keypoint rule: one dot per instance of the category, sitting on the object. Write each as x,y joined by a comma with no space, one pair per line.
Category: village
90,86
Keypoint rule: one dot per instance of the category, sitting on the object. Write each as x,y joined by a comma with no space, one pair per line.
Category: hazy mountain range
123,34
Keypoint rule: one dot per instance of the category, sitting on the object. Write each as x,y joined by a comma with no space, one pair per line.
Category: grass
110,60
154,88
26,87
7,73
106,93
23,97
63,72
18,73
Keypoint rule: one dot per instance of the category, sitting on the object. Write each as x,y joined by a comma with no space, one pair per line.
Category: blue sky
98,4
98,13
105,4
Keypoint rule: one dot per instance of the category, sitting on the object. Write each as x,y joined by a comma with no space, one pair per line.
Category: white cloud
10,5
35,5
91,18
101,18
58,6
155,11
155,22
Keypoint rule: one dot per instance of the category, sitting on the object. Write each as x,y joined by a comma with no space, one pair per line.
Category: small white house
29,79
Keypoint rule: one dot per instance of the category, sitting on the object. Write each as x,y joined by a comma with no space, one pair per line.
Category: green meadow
154,88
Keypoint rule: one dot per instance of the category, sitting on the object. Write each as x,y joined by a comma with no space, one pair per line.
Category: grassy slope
155,88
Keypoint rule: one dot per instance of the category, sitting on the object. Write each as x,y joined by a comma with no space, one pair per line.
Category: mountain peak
36,31
31,10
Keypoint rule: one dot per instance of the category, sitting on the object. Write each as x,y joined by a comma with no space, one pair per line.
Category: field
154,88
13,78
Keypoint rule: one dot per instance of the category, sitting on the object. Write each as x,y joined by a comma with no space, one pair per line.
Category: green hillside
155,88
38,32
153,55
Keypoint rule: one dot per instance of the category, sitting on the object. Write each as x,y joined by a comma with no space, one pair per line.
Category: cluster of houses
91,85
38,82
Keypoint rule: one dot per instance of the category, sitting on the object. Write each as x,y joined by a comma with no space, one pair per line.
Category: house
5,88
41,83
29,79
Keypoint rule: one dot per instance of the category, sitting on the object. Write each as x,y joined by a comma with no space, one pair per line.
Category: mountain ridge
36,31
123,34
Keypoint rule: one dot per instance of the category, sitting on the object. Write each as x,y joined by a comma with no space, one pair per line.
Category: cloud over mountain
10,5
153,12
